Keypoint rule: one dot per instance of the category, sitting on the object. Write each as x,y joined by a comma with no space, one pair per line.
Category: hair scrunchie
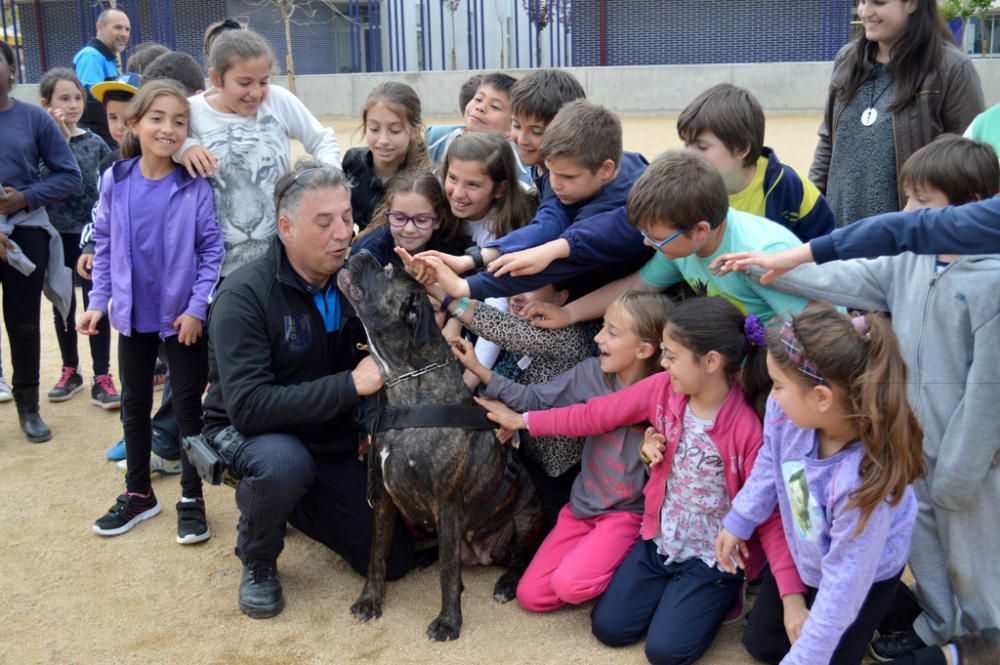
754,331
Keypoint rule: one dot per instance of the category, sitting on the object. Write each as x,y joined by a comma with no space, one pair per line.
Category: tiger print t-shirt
253,152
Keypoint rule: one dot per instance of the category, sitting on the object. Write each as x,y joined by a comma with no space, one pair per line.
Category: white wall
789,88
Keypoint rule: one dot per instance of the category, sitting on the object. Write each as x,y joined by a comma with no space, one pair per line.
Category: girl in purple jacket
841,448
158,255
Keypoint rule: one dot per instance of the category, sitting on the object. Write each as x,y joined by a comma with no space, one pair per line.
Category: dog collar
417,372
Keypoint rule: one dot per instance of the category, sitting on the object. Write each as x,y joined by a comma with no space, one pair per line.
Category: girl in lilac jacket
158,255
841,448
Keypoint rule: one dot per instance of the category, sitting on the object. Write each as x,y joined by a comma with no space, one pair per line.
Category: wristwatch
476,252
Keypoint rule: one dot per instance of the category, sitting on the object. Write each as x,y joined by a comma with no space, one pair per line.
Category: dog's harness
465,416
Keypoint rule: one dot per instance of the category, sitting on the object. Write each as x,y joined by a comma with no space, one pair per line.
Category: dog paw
505,589
443,629
366,608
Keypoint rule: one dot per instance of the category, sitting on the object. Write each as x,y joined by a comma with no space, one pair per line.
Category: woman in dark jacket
895,88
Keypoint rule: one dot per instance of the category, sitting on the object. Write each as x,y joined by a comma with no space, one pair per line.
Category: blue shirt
93,64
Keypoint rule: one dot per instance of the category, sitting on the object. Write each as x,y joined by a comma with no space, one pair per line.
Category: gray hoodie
948,325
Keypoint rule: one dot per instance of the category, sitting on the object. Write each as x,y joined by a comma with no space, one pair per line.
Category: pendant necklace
870,114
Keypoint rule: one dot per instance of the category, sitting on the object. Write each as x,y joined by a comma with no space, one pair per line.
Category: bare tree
539,13
299,12
452,6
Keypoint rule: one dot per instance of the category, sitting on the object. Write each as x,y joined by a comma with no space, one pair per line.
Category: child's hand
775,264
547,315
418,270
501,414
189,329
653,445
505,435
85,266
729,548
199,161
87,324
529,261
5,246
446,278
463,349
459,264
795,615
59,118
11,201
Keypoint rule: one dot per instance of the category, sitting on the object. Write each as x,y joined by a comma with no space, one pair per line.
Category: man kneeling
287,371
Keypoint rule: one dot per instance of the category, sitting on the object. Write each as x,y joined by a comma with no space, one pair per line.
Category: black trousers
282,483
765,637
189,369
100,344
553,493
22,307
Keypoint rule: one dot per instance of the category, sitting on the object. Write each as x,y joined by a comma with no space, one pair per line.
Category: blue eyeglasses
659,244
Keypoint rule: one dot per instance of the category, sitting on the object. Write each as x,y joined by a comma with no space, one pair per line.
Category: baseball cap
128,82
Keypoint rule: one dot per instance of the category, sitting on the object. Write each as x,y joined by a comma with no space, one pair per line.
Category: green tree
964,9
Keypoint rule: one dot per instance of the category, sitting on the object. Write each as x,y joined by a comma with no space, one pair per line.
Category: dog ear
421,323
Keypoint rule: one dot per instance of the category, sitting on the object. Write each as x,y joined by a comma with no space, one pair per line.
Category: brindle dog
448,479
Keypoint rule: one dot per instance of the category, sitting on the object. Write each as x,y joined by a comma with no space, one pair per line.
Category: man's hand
547,315
463,349
529,261
795,615
188,329
367,377
87,324
199,161
775,264
11,201
501,414
85,266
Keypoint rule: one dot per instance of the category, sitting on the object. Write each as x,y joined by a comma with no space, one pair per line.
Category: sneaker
260,591
104,394
129,510
5,394
159,375
979,648
192,527
117,451
157,464
69,384
896,645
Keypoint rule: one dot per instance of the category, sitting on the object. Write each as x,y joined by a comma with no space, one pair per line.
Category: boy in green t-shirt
681,208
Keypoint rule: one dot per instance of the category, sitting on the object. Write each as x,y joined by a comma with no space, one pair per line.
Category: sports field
70,597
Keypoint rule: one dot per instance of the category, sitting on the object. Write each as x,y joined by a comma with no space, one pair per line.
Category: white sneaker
157,464
5,394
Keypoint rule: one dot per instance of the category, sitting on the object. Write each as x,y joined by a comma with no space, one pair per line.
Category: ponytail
861,359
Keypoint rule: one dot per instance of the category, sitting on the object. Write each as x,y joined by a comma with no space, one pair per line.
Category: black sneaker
192,527
70,383
129,510
260,591
897,645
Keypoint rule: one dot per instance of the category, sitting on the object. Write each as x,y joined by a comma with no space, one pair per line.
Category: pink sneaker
104,394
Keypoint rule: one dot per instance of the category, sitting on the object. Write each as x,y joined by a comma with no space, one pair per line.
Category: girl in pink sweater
705,439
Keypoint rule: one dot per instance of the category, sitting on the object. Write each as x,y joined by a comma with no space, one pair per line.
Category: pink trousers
577,559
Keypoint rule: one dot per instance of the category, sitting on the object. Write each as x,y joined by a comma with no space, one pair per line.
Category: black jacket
272,365
368,188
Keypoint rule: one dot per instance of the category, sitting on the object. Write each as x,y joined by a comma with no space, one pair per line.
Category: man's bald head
113,29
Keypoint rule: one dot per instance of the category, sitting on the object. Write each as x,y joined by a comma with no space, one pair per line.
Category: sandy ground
70,597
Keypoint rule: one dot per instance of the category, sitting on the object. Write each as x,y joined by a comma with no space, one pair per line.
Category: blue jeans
679,606
281,483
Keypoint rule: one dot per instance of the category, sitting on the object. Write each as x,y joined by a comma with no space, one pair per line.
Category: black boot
32,424
260,591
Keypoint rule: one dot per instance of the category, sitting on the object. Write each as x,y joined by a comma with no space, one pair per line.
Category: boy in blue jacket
587,175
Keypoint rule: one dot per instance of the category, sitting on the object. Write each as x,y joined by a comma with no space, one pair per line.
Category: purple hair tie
754,331
861,324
